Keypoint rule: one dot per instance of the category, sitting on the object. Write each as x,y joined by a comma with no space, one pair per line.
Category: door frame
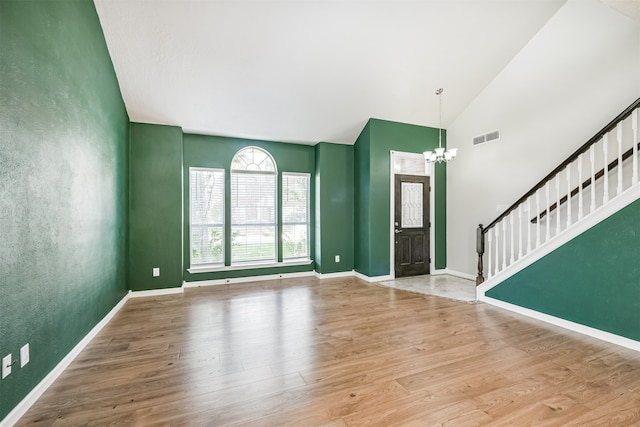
429,171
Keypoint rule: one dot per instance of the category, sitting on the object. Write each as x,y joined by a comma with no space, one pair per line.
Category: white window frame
308,219
206,265
275,216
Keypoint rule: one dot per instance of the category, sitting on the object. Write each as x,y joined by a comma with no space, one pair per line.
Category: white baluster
496,231
592,158
528,225
580,201
619,138
504,243
548,224
558,204
489,257
634,126
513,249
605,150
569,219
538,218
520,230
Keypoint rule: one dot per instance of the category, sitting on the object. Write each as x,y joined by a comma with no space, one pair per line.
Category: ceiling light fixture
440,154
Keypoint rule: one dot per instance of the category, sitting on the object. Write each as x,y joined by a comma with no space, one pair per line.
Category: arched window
253,206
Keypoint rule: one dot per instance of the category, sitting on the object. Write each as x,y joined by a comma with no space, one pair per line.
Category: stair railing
515,233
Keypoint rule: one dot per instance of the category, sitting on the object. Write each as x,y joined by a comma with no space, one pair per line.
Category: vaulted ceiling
309,71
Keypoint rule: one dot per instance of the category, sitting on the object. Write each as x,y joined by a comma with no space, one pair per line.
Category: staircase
594,183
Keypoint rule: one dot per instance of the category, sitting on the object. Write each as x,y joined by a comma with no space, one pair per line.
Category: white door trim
429,171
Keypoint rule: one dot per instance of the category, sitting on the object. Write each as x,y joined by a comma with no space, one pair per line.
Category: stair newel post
480,250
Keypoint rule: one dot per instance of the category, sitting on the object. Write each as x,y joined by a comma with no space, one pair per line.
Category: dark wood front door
411,225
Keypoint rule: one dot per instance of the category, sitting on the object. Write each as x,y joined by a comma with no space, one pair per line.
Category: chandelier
440,155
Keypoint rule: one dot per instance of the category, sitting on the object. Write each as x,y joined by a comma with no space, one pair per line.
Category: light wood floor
337,352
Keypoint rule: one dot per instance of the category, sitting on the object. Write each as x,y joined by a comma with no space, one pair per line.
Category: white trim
619,202
35,393
245,279
430,172
372,279
155,292
252,266
333,275
576,327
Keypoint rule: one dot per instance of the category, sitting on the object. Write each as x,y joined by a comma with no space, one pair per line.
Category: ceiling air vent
487,137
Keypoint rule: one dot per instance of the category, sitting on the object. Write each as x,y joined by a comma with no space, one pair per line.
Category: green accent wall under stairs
63,185
593,280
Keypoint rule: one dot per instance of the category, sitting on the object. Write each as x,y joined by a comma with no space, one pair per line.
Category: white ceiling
309,71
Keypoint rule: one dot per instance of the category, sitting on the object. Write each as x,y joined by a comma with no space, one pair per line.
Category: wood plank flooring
337,352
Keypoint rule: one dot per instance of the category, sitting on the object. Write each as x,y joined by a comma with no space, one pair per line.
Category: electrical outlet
337,258
24,355
156,272
6,366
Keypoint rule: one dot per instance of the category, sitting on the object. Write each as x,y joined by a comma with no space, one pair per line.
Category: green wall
334,207
362,211
155,215
63,185
593,280
372,164
217,152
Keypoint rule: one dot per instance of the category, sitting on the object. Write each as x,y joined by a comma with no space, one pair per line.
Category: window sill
252,266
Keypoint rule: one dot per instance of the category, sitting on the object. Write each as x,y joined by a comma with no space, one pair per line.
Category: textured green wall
593,280
217,152
63,185
373,198
362,211
155,215
334,207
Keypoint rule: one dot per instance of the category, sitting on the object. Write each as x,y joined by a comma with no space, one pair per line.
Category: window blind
295,215
207,216
253,216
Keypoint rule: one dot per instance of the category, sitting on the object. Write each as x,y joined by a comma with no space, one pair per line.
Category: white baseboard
372,279
155,292
576,327
333,275
229,281
31,398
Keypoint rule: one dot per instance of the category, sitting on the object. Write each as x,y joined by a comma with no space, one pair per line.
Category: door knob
397,231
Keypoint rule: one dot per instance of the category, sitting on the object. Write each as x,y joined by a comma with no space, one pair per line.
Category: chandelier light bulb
440,154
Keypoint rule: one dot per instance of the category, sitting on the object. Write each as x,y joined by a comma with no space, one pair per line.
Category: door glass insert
412,205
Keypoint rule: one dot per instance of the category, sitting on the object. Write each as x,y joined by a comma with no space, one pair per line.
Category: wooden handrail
482,231
585,184
608,128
